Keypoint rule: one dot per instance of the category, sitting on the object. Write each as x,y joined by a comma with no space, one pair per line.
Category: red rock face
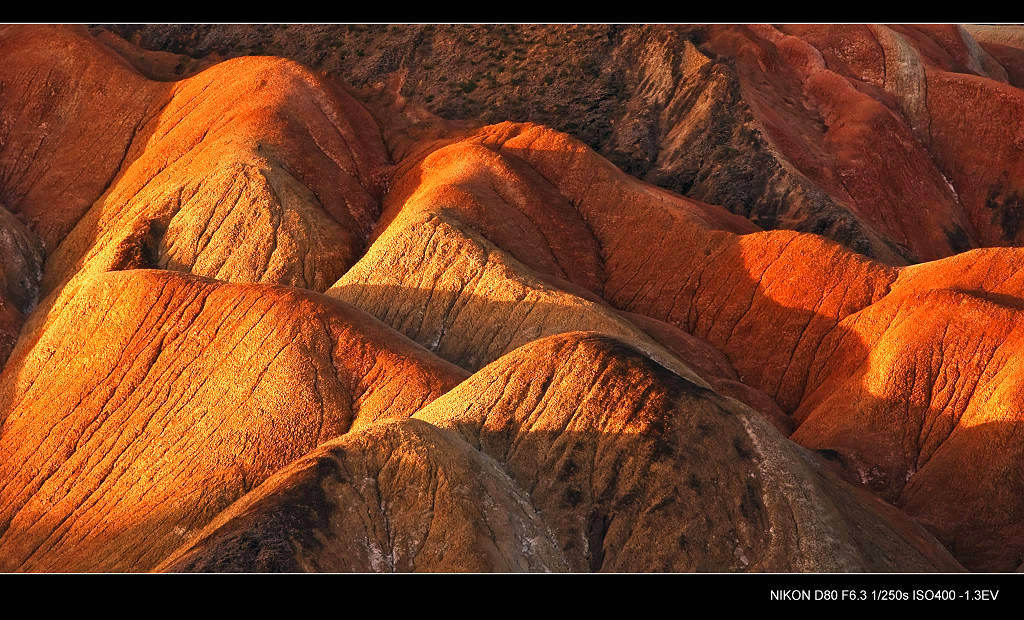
255,320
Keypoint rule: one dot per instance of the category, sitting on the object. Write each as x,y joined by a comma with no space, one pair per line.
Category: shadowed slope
402,496
774,302
154,64
845,139
812,127
1005,43
638,469
628,465
963,110
682,262
437,281
983,157
139,405
156,399
21,268
929,418
467,300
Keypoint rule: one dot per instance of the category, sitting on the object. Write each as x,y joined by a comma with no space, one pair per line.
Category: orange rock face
153,400
256,321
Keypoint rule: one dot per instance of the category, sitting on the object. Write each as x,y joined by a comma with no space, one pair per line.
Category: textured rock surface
433,278
526,359
775,303
251,172
623,458
815,128
613,464
928,418
404,496
156,399
21,269
72,110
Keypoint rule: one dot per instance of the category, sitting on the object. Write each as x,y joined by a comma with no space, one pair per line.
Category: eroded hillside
344,314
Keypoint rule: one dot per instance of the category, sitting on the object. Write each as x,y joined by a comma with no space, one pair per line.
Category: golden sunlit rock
300,312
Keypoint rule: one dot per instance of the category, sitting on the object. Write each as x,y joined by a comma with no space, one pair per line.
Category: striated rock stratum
511,298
